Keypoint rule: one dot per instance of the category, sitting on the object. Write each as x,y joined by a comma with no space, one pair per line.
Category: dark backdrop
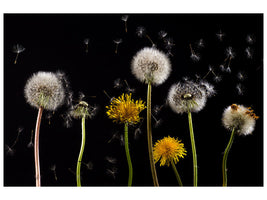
55,42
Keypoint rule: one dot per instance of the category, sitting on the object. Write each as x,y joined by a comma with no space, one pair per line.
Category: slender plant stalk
176,173
130,179
78,170
193,148
36,148
149,137
225,156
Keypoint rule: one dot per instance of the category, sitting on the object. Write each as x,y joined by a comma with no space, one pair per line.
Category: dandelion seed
110,98
201,43
169,43
9,151
111,160
228,70
157,109
241,76
30,144
217,79
122,142
117,42
141,32
222,68
137,133
248,52
17,49
151,66
195,57
158,123
86,42
128,89
112,172
89,166
220,35
117,84
125,19
162,34
250,39
230,53
49,116
240,89
53,169
114,136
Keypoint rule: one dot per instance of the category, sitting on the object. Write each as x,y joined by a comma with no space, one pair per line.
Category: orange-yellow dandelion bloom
168,149
125,110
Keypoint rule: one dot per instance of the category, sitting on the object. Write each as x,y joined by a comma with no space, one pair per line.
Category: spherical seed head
151,65
239,117
187,96
44,89
167,150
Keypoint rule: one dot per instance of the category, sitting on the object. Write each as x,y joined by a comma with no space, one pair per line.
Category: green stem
225,156
176,173
130,179
149,137
193,148
78,170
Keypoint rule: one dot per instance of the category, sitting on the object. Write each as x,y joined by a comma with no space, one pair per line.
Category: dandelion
168,151
241,121
151,66
125,19
86,42
117,42
141,32
125,110
18,48
44,90
190,97
82,111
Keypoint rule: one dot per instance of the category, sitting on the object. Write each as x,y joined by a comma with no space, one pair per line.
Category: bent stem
225,156
149,137
130,179
36,148
78,170
193,148
176,173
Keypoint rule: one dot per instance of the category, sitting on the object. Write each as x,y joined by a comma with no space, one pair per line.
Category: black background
55,42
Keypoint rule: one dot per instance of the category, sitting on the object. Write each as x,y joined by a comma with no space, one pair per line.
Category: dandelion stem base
130,179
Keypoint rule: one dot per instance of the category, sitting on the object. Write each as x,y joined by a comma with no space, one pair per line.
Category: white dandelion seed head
239,117
187,96
45,89
151,65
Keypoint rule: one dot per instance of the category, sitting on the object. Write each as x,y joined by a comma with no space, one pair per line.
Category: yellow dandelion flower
125,110
168,149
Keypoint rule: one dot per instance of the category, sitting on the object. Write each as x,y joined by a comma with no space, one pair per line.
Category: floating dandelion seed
195,57
117,83
250,39
141,32
44,90
217,79
125,19
114,136
117,42
228,70
168,151
241,76
30,144
169,43
162,34
157,109
111,160
201,43
220,35
240,89
128,88
211,70
53,169
86,42
137,133
112,172
230,52
18,48
19,131
150,65
248,53
158,123
49,116
222,68
241,121
9,150
89,165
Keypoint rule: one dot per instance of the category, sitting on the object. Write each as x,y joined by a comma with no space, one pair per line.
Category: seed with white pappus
45,89
151,65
